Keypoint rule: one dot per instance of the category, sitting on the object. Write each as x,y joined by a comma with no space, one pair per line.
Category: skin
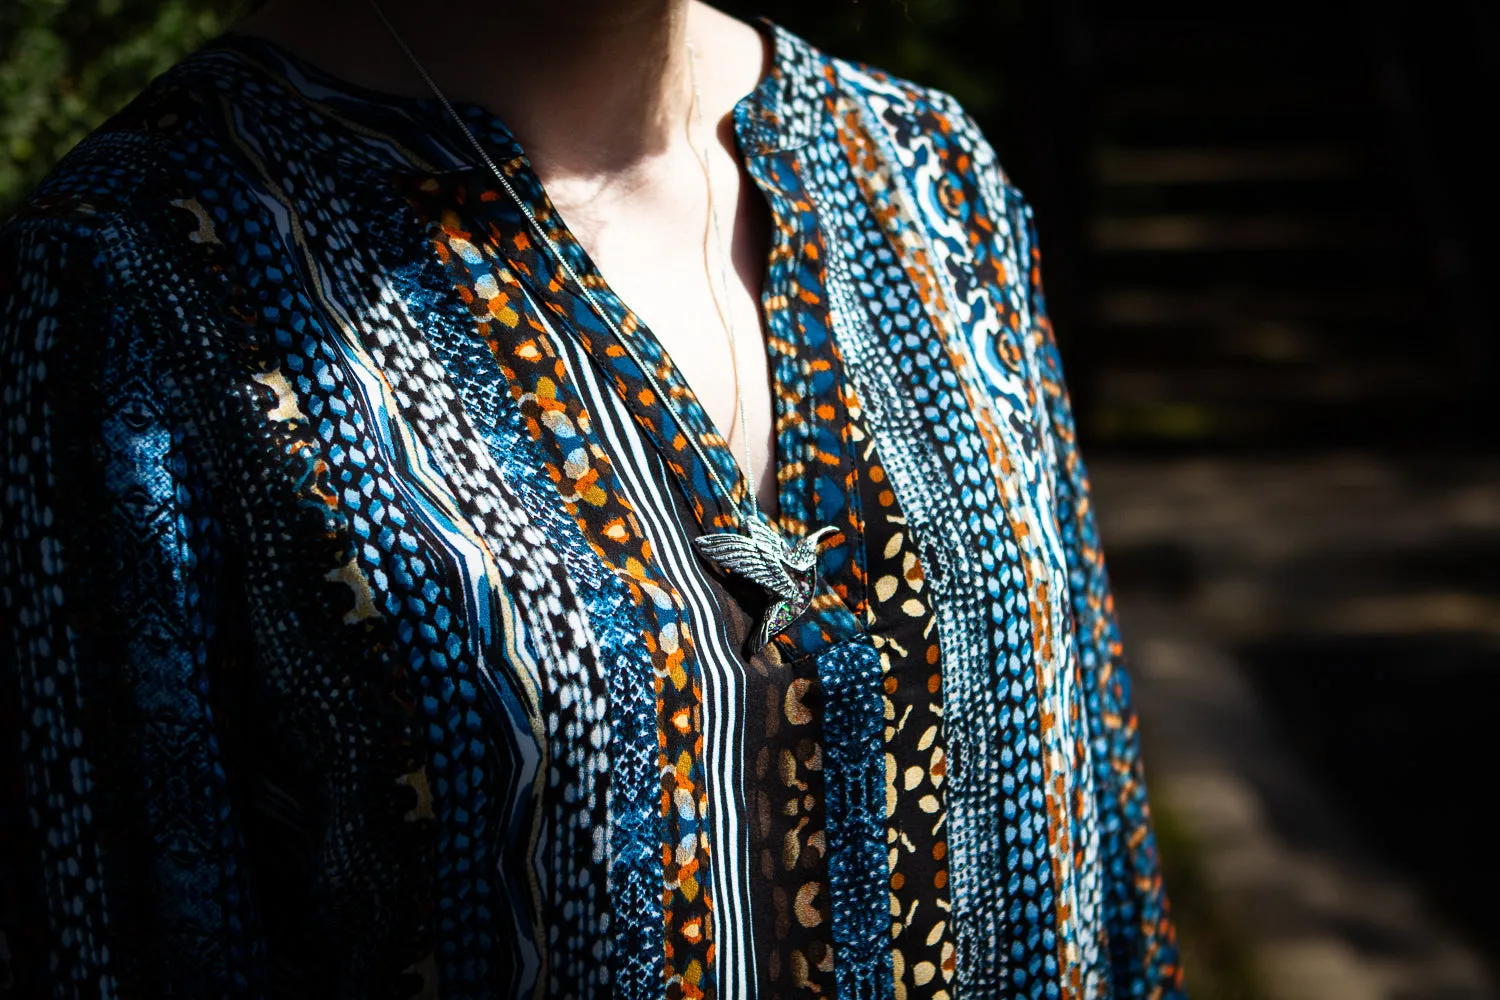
598,94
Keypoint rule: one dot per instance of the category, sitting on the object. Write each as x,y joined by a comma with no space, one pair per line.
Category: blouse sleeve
1142,939
120,863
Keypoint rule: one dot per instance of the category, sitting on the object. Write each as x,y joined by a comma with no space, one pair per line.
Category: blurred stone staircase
1260,266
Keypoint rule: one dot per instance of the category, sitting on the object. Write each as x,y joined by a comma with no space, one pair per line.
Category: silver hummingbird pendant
789,572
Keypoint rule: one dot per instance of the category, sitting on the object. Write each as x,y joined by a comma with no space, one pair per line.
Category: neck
590,88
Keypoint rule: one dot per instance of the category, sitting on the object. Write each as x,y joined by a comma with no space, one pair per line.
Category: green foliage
66,65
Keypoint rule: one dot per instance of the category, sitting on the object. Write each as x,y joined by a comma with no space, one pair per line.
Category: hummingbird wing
749,557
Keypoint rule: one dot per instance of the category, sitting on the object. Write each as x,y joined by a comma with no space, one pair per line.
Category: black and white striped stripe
643,478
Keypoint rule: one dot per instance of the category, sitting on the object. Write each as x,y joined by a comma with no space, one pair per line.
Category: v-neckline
812,454
762,128
813,460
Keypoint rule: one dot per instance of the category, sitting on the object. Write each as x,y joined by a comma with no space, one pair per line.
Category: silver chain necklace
726,315
757,551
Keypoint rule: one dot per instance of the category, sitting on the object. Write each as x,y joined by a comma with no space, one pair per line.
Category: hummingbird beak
816,538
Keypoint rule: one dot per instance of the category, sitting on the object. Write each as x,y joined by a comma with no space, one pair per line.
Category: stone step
1294,267
1274,329
1234,386
1207,233
1364,122
1122,166
1329,100
1153,306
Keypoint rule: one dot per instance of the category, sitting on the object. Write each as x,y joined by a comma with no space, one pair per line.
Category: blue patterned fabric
355,643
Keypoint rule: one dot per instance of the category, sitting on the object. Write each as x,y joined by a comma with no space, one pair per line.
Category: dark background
1266,235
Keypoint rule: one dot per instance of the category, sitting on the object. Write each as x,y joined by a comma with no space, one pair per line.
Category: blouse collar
786,108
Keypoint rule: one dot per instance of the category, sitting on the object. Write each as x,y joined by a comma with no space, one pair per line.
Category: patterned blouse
354,641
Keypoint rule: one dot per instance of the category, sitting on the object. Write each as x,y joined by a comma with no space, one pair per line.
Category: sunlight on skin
605,122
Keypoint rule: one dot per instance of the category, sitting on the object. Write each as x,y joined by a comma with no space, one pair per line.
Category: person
570,499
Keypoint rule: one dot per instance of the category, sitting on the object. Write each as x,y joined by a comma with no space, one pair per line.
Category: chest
689,259
489,509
